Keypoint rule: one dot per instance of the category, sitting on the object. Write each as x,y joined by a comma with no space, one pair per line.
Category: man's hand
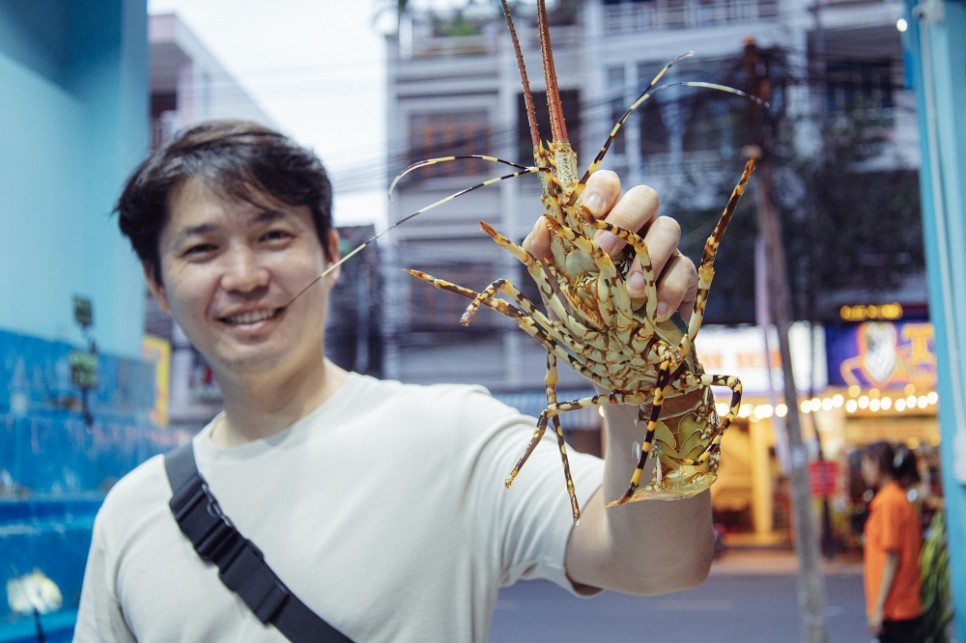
637,210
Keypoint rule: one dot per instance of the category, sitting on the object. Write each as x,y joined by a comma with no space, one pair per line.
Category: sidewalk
743,555
752,594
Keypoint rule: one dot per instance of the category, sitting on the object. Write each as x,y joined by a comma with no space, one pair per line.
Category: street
750,596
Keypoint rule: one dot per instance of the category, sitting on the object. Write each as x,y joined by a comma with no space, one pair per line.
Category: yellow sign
158,350
864,312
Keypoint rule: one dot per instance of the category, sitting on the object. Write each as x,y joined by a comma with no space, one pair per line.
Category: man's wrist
676,404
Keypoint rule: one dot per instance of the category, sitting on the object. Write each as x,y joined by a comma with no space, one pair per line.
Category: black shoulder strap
241,565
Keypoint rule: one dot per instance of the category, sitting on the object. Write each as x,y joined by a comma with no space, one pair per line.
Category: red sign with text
823,475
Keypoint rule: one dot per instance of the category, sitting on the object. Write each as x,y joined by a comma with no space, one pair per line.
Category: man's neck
255,410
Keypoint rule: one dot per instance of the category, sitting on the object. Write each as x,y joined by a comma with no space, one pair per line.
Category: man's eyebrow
268,216
194,230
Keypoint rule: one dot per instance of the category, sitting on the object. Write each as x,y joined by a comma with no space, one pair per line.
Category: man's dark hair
239,159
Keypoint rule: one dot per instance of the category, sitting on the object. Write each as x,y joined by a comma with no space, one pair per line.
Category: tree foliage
854,224
849,206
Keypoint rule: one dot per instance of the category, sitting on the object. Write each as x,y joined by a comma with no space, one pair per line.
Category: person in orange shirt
893,539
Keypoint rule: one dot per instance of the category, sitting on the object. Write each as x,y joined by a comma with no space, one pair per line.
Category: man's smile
252,316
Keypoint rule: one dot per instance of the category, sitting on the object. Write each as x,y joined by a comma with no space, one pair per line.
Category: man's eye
199,249
276,236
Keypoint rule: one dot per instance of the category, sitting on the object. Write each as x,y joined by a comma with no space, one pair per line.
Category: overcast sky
317,68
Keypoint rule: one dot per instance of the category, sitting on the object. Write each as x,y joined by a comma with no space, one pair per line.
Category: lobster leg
660,387
706,268
550,381
549,334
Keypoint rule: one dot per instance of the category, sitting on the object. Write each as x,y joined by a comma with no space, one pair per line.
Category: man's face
230,270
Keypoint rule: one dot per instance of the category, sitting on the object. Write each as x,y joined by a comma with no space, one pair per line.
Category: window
615,87
569,98
655,135
857,84
449,133
715,125
435,310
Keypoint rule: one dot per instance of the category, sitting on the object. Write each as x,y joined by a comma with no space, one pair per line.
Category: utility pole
811,583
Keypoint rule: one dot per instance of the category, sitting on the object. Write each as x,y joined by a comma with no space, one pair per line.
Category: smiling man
379,504
229,270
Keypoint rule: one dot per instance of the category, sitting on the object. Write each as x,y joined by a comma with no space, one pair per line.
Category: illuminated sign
742,352
864,312
882,354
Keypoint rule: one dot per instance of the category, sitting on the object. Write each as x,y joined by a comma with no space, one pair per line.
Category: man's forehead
196,187
194,199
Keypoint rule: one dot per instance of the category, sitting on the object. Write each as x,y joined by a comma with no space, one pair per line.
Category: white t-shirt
383,510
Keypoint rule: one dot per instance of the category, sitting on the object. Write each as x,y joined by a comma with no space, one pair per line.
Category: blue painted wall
73,124
55,468
936,44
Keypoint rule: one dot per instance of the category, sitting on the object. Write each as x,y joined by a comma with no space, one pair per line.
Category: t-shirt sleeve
99,616
526,526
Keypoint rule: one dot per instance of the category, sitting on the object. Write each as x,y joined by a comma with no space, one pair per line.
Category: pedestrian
379,505
893,540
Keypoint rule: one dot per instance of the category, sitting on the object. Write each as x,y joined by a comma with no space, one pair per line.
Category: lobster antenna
447,159
534,134
558,127
648,93
524,80
524,170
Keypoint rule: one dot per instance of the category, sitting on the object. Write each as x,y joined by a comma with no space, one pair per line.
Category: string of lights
854,402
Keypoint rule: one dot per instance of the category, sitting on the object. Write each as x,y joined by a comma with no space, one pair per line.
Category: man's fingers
677,287
634,212
662,239
537,242
602,191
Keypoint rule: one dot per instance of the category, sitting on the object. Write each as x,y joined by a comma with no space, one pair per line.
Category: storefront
858,383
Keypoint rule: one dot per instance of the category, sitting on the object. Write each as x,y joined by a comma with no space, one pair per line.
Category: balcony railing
684,14
490,42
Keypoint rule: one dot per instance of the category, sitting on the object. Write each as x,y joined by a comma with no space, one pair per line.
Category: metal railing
684,14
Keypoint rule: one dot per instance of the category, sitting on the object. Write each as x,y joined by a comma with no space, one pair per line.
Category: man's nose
244,271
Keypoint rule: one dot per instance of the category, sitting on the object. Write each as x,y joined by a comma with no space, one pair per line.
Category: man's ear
333,255
156,289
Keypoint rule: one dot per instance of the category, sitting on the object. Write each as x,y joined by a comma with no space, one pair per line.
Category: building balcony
658,15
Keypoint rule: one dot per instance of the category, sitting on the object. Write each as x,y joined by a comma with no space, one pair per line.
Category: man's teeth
252,317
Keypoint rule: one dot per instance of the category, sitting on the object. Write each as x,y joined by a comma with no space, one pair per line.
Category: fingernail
636,284
593,202
607,241
663,311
